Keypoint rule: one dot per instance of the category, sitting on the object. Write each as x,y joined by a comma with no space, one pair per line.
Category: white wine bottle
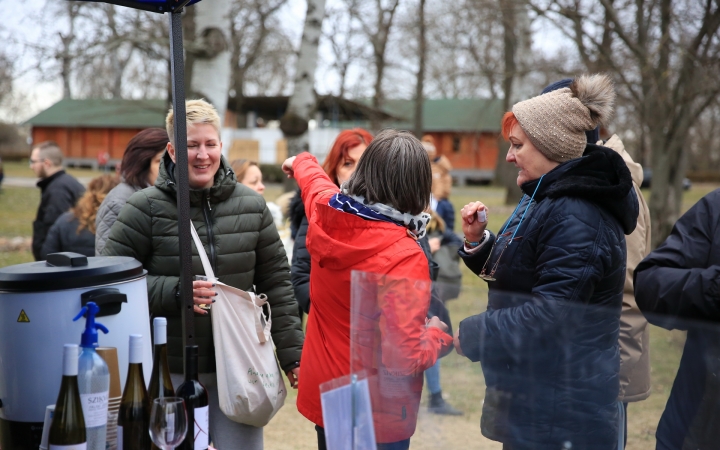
67,431
134,416
196,402
160,382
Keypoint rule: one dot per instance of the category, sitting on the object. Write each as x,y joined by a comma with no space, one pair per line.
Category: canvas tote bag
251,388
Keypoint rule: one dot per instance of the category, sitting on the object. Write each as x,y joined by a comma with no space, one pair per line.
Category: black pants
400,445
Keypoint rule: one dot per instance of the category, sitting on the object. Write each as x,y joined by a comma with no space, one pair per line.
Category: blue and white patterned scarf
357,205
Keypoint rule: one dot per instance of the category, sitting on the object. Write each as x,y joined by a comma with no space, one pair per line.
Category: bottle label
202,428
95,408
82,446
119,438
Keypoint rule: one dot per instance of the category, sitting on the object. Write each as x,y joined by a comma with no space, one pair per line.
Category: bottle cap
70,360
136,349
160,330
90,335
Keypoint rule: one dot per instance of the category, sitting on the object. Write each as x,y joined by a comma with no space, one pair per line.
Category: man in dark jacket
678,287
60,191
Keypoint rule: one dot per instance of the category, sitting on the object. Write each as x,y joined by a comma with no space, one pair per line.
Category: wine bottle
93,380
160,383
196,402
134,415
67,431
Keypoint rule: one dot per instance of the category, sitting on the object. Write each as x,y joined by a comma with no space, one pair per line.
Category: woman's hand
294,377
434,322
472,227
203,295
456,342
287,166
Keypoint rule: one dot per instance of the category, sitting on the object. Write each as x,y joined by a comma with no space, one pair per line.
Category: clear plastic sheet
546,372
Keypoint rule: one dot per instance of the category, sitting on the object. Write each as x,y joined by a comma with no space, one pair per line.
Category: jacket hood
599,176
636,171
348,239
221,189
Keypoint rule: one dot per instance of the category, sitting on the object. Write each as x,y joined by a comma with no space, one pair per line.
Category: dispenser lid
46,276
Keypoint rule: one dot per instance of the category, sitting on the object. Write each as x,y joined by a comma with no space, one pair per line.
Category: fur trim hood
599,176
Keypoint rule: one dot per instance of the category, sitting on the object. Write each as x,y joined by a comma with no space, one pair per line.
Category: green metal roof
103,113
451,114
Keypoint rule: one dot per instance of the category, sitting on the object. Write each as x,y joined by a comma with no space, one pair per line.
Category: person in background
248,173
339,165
243,247
548,342
74,231
442,183
442,252
443,244
370,224
59,190
138,170
634,332
677,287
2,173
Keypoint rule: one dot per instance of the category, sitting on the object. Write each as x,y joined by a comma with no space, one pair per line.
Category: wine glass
168,422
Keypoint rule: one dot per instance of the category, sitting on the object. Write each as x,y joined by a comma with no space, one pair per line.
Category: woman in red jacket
370,225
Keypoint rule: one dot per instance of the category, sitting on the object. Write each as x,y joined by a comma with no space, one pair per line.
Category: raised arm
315,185
566,274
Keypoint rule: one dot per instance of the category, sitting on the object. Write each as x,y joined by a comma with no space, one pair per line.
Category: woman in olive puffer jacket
242,244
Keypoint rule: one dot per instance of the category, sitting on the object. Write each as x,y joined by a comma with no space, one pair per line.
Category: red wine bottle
196,402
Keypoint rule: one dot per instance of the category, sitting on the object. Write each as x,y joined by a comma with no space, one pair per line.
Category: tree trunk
419,97
188,26
505,173
666,188
66,56
302,103
211,68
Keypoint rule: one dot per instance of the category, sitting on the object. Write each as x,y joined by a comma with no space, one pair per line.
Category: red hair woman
339,164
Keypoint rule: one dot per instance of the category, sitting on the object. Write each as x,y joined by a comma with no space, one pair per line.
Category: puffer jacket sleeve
106,216
272,277
476,260
566,274
676,281
300,270
131,235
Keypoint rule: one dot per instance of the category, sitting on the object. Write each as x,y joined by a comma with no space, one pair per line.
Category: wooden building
87,128
466,131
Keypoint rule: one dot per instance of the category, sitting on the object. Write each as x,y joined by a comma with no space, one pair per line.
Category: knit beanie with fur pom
556,122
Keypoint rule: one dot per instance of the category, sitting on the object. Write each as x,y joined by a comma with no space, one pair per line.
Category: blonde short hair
196,111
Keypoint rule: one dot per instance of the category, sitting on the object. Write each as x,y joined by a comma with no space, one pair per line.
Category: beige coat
634,333
442,180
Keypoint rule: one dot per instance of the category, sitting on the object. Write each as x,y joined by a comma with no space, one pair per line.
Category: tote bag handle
201,251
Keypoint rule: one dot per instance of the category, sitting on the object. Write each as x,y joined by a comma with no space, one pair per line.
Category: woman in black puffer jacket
548,342
339,165
74,231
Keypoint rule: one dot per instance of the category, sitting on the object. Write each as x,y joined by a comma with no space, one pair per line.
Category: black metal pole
177,66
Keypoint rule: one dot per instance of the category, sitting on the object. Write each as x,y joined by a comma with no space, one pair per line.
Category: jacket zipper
208,223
